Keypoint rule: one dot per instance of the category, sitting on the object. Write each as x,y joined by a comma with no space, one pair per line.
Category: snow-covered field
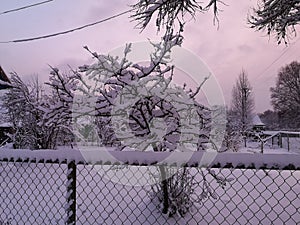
253,197
35,194
274,149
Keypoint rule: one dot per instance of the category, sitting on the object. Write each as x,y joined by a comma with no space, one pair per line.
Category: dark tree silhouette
286,96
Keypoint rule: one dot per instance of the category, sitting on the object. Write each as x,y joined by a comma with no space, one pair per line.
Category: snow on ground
274,149
294,144
32,193
263,200
35,194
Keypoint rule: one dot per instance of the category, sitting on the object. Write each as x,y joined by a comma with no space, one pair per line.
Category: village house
257,124
5,126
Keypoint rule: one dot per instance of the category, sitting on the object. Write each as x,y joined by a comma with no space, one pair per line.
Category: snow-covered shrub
233,135
183,186
179,190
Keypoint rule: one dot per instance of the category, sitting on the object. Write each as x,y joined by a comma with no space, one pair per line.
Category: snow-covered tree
285,96
233,135
242,103
21,102
170,13
278,17
38,118
138,106
134,101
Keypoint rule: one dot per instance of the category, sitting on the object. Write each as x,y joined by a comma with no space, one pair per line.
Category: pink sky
227,50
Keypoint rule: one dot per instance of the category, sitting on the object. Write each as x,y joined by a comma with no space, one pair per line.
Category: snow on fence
62,187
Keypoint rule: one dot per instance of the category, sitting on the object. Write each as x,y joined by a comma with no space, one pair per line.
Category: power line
272,63
65,32
276,59
25,7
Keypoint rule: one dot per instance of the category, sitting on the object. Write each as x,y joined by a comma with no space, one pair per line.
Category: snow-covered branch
169,13
277,17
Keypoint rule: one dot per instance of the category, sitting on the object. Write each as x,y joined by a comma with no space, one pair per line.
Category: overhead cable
25,7
64,32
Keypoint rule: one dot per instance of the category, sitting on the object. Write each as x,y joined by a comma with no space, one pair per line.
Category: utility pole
245,92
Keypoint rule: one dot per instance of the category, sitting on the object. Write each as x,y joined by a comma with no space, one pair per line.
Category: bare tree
242,103
278,17
286,96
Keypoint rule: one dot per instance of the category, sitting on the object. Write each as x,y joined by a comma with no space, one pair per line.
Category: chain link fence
61,193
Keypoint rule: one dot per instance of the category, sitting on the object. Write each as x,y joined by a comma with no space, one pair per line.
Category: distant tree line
285,99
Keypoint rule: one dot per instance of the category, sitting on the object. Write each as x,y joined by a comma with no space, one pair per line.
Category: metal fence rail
69,193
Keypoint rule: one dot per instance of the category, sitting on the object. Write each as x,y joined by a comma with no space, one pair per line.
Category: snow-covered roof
256,121
281,132
4,81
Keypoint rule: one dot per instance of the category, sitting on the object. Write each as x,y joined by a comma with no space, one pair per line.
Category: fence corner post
71,193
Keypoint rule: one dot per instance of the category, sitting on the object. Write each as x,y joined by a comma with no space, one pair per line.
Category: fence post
71,193
164,183
288,142
280,140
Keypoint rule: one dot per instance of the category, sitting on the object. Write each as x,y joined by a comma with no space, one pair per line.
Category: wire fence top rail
105,156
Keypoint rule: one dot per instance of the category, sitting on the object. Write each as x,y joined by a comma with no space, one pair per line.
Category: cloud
245,48
225,50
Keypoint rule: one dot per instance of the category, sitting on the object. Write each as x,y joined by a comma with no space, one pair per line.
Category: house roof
4,81
256,121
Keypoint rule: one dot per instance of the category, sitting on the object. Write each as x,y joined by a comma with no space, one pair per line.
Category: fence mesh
36,193
32,193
